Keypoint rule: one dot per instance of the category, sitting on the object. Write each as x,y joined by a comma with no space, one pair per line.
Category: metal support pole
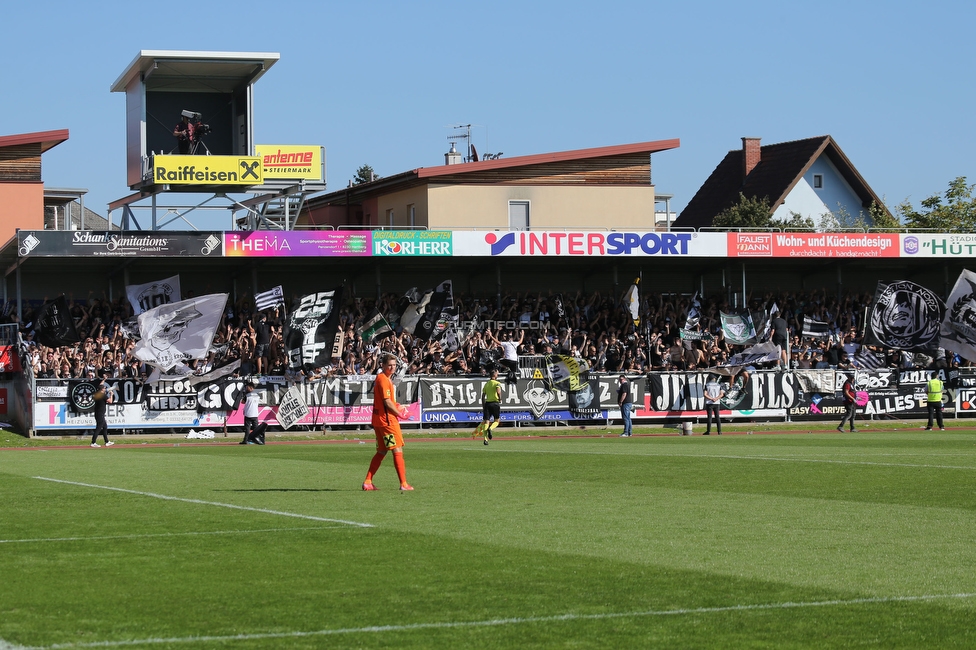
744,305
498,284
20,312
155,223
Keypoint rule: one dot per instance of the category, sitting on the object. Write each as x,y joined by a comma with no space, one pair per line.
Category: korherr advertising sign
412,243
207,170
97,243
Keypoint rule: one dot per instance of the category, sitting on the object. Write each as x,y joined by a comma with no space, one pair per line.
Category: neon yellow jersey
934,387
492,391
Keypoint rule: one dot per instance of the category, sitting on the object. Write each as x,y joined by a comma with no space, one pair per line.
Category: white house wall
835,191
802,200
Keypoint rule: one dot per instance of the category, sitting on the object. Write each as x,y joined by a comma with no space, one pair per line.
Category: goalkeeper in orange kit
386,424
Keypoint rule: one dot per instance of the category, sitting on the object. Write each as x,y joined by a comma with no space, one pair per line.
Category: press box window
818,181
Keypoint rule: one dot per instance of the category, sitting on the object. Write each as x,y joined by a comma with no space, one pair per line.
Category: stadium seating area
594,327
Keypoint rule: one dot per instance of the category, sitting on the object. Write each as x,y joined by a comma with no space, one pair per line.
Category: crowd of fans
596,327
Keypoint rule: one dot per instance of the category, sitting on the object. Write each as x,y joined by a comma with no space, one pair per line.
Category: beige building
600,188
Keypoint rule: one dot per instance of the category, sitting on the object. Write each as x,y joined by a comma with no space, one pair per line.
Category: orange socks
373,466
401,469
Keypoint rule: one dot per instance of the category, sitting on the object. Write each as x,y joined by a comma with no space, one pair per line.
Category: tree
881,217
752,212
877,217
957,212
364,174
749,212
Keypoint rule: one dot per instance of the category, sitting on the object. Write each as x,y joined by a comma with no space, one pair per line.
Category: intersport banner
812,244
561,243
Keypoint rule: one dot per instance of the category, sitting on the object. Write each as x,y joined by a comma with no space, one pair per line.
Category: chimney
750,155
452,157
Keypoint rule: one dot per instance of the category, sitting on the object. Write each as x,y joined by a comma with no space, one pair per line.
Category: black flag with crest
904,316
53,325
427,323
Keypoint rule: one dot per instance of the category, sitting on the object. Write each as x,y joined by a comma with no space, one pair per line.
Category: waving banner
738,328
173,333
313,335
904,316
958,330
144,297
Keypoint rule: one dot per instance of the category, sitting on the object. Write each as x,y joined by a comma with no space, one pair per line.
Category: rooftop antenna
464,135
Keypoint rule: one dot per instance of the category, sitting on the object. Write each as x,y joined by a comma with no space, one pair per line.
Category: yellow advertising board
207,170
291,162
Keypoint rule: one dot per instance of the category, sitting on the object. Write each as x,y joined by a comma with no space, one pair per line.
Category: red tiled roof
559,156
47,139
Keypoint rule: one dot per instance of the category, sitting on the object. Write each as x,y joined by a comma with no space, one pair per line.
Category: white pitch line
7,645
726,456
145,535
208,503
501,621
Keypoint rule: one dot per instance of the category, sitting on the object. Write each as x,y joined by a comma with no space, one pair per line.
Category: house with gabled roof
810,177
598,188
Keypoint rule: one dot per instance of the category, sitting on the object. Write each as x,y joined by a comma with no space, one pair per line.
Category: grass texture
766,541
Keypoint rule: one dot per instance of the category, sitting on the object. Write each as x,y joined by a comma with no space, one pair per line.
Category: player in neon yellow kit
491,406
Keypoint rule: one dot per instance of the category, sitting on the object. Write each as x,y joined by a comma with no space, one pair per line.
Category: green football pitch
763,541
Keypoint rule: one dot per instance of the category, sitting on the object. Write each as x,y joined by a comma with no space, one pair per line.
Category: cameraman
185,133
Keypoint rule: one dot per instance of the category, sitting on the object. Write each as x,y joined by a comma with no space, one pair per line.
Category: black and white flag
313,335
904,316
767,352
144,297
958,331
411,308
867,359
269,299
694,313
814,329
632,302
292,408
53,325
173,333
432,314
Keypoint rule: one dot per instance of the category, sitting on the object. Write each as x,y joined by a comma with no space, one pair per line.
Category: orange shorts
388,437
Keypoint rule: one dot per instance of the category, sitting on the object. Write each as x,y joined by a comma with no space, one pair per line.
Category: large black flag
427,323
53,325
313,335
904,316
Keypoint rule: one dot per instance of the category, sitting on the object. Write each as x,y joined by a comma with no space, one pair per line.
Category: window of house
389,218
818,181
412,211
518,215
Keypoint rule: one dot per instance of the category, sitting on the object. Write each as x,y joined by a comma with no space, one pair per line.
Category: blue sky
381,82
